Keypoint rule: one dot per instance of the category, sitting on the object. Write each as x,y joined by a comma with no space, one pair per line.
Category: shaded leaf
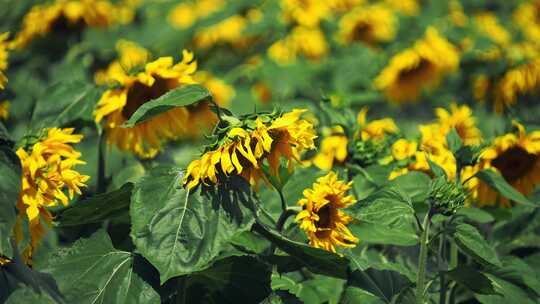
10,185
473,243
385,284
93,271
97,208
179,97
499,184
472,279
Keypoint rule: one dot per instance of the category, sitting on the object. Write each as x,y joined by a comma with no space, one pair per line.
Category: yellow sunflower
405,7
520,80
461,119
244,150
402,149
47,172
488,24
526,17
75,14
333,149
375,129
368,24
418,68
341,6
321,217
309,42
308,13
3,59
516,157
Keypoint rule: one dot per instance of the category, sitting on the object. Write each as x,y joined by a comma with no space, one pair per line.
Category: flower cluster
321,217
243,150
47,172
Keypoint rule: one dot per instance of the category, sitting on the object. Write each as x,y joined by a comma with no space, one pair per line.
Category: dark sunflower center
362,32
416,72
514,163
325,217
139,94
62,25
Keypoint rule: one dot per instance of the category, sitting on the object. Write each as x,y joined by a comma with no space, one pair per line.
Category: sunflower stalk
422,259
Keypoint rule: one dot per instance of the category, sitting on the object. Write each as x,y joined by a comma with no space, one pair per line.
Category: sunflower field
270,151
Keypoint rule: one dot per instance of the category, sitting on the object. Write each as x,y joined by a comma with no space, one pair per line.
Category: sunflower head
461,119
368,24
333,149
242,146
445,196
322,218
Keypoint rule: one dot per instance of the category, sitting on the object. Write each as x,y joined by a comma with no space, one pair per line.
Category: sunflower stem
282,198
422,260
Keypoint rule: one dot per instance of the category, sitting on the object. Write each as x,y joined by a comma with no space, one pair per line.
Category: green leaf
179,97
385,284
318,289
65,103
388,214
499,184
472,279
93,271
473,243
10,185
506,293
437,170
519,273
476,215
415,184
353,295
315,259
232,280
26,295
179,232
454,141
96,209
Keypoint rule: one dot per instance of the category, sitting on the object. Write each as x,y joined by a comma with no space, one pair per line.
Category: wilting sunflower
186,14
461,119
321,217
516,157
3,59
370,24
418,68
72,14
309,42
244,149
130,90
47,172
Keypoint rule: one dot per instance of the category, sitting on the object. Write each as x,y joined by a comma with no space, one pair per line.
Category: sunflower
333,149
130,90
461,119
71,14
488,24
47,171
402,149
244,149
3,59
186,14
321,217
520,80
418,68
308,13
341,6
368,24
516,157
526,17
309,42
375,129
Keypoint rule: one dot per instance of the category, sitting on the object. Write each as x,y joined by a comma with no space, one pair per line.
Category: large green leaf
415,184
498,183
472,279
64,103
231,280
519,273
93,271
177,231
97,208
473,243
385,284
10,185
179,97
26,295
316,260
506,293
387,213
317,289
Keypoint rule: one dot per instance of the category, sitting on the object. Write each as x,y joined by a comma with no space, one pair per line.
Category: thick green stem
283,202
453,255
422,260
442,278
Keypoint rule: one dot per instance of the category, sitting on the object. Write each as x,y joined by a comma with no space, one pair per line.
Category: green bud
446,197
367,152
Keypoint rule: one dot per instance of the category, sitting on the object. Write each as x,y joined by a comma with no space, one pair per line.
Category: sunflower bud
446,197
367,152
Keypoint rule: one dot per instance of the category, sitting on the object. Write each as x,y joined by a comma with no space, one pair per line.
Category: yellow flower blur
76,14
244,151
418,68
402,149
516,157
368,24
4,110
375,129
47,171
461,119
333,149
186,14
321,217
309,42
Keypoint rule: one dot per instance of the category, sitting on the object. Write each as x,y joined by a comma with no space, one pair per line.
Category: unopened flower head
446,196
47,172
244,148
322,218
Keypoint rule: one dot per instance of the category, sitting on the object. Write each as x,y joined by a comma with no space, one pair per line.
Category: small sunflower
130,90
368,24
3,59
526,17
418,68
244,149
516,157
402,149
308,13
375,129
461,119
333,149
488,24
309,42
321,217
521,80
229,31
71,14
186,14
47,172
